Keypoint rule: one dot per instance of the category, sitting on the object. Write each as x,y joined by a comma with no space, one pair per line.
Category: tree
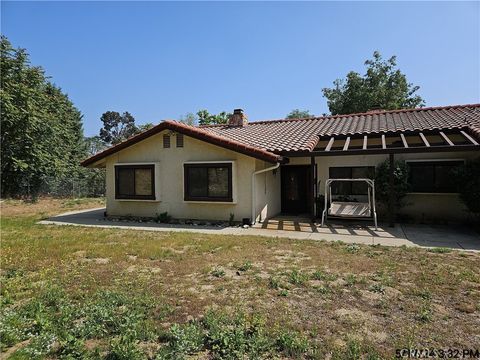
41,130
144,127
116,127
189,119
205,118
299,114
382,87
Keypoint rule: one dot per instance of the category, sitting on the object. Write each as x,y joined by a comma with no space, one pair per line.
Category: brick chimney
238,118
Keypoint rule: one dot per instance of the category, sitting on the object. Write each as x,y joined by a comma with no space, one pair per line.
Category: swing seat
350,209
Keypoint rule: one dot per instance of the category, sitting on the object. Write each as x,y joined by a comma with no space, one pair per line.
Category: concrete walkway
455,236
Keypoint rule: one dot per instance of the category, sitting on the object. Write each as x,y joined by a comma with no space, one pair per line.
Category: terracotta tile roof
191,131
303,134
263,139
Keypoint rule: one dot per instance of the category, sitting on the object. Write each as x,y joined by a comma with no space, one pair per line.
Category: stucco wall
420,206
267,192
169,180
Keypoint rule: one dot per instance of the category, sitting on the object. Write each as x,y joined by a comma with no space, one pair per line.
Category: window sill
210,202
139,200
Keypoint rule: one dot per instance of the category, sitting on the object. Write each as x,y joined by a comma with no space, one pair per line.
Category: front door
296,189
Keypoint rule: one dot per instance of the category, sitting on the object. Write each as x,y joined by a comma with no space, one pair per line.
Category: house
256,170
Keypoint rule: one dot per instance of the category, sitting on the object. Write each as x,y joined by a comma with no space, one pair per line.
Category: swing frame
371,201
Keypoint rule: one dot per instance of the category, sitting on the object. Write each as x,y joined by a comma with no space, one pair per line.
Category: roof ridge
375,112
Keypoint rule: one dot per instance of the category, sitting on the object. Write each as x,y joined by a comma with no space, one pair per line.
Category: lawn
72,292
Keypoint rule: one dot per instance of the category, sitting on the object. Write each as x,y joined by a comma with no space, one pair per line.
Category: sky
161,60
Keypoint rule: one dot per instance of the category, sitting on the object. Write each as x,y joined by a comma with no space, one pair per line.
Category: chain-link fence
90,184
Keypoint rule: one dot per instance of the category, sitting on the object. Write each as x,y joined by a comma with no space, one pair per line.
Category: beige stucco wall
169,180
267,192
420,206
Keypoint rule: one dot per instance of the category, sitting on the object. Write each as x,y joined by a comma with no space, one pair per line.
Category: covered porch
304,177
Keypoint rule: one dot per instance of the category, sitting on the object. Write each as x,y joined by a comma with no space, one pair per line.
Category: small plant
218,272
377,288
440,250
350,280
231,219
283,293
273,283
324,290
247,265
322,275
185,339
297,278
425,313
163,217
352,248
292,343
425,294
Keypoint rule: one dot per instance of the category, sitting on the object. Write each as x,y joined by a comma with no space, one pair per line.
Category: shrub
467,177
163,217
400,183
231,219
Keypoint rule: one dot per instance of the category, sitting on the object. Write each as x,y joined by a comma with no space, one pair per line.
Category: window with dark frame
433,176
351,172
135,182
208,182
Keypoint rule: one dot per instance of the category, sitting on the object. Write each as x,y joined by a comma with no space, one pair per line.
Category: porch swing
350,209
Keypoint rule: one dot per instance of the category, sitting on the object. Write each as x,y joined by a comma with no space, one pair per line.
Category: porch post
391,200
312,186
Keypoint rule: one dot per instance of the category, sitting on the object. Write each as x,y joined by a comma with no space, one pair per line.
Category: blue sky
160,60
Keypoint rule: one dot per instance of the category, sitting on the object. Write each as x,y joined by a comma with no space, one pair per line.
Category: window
166,141
208,182
179,140
134,182
433,176
351,188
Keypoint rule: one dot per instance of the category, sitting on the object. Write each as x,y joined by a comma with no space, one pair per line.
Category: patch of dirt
354,315
370,296
80,254
10,351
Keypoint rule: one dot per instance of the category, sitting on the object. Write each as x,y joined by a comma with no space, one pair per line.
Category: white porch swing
350,209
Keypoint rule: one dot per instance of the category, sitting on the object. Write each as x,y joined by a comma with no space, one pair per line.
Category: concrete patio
455,236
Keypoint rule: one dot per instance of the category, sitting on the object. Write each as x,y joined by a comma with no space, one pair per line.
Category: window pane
364,172
143,182
197,181
444,181
218,182
125,182
341,188
421,177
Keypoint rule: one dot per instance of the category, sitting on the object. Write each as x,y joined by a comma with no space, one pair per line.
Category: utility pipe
277,165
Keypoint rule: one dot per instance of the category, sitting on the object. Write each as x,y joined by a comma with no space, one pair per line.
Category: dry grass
380,298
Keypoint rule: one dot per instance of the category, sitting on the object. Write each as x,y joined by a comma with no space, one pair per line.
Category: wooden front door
296,189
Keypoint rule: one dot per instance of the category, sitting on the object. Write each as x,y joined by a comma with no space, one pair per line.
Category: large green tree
383,86
41,130
117,127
